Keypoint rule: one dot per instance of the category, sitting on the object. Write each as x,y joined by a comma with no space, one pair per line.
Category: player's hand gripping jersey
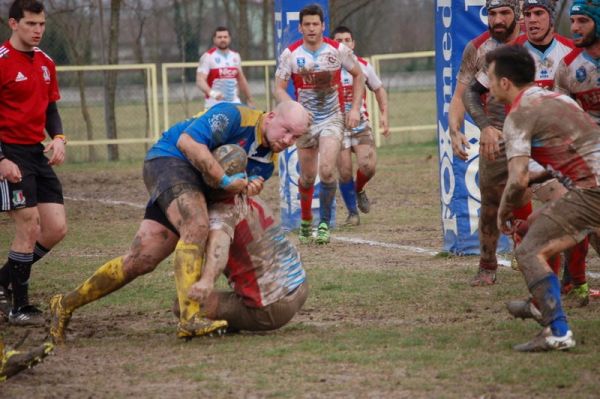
316,75
547,126
578,75
222,70
372,81
222,124
263,265
546,63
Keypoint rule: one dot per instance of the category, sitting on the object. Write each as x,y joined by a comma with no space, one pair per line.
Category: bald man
178,172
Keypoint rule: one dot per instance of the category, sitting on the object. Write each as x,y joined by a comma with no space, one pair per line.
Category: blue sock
326,196
559,324
348,192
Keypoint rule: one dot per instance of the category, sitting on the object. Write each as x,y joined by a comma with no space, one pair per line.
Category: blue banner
456,23
287,21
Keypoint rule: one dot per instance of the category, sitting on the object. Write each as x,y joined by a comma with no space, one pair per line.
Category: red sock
361,180
523,212
306,197
554,263
576,261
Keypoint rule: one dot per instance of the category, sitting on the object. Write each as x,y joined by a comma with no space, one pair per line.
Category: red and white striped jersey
546,63
316,75
222,69
372,81
578,76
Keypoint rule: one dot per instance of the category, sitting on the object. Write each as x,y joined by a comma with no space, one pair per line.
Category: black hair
514,63
312,9
18,8
221,29
341,29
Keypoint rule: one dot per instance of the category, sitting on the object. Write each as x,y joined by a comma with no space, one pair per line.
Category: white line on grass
409,248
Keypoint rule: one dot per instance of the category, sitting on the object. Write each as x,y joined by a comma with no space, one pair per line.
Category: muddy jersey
222,69
473,66
546,63
553,130
316,75
372,81
263,266
578,76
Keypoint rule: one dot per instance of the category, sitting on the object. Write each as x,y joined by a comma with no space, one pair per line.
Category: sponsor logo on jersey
218,123
228,73
301,61
20,77
580,74
46,73
18,199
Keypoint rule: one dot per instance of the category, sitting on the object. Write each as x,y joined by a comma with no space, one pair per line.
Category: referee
30,191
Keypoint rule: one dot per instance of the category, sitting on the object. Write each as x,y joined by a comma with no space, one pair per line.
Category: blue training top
223,123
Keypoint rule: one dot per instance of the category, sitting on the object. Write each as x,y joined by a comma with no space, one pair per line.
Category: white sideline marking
107,202
410,248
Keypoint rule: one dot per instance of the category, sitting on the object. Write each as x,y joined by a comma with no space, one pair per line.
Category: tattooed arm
201,158
515,192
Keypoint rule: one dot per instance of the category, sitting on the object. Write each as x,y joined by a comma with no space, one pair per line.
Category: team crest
46,73
218,123
301,61
18,199
580,74
218,60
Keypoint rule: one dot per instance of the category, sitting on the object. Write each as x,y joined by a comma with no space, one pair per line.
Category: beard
588,40
501,37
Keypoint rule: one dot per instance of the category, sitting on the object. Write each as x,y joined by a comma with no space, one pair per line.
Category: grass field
380,322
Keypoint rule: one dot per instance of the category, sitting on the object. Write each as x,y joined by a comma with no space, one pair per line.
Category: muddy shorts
576,214
39,184
240,316
352,138
167,178
536,167
331,127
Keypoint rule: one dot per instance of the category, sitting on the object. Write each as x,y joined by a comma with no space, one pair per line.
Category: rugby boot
5,302
305,233
27,315
199,326
352,220
363,202
524,309
13,361
484,277
322,233
578,296
546,341
59,319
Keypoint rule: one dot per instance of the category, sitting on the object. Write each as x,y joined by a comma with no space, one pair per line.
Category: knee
307,179
326,172
195,233
367,169
135,265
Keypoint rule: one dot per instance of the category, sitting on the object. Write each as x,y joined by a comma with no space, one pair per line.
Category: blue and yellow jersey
224,123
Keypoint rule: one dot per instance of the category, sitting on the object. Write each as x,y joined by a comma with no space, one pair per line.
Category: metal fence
409,79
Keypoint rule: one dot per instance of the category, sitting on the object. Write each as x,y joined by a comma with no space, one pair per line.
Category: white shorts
330,127
353,138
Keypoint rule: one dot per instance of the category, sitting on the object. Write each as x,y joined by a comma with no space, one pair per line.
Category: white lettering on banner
447,183
449,222
477,3
474,199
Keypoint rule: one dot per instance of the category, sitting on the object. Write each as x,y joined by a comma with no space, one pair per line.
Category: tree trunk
110,82
89,126
267,17
243,32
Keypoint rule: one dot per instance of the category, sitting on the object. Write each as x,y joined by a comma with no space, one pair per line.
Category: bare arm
202,83
245,88
456,119
382,102
217,255
281,90
358,91
515,192
201,158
